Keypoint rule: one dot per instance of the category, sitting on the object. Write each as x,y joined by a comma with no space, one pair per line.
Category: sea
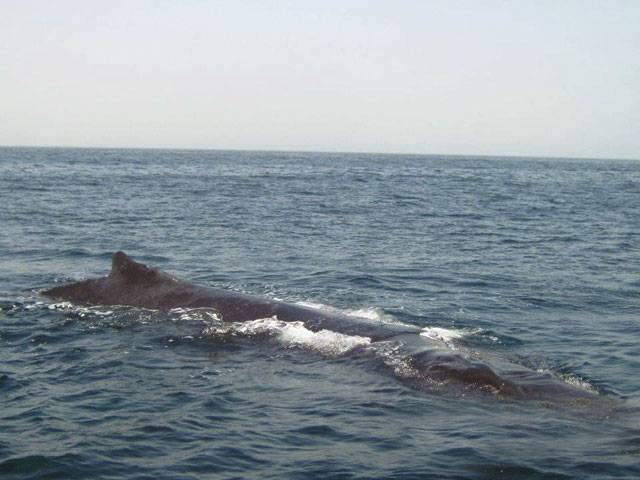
534,261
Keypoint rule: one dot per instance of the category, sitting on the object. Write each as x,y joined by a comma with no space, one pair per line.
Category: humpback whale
135,284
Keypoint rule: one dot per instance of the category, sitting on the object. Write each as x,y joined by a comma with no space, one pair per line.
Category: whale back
127,270
128,283
134,284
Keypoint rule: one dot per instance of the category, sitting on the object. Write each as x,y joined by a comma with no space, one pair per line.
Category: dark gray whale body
135,284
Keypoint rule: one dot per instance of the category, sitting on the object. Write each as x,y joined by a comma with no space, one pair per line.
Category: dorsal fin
123,266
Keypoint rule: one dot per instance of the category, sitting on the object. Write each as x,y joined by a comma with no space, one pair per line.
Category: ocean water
531,261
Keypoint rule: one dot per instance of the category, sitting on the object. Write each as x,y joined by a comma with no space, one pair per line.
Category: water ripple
529,262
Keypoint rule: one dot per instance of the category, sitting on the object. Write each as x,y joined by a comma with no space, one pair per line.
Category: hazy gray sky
549,78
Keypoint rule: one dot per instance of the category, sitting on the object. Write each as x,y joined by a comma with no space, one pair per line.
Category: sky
554,78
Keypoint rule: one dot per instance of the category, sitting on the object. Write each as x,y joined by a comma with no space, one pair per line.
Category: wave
292,334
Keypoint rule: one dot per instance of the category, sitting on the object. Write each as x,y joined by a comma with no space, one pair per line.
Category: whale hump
127,269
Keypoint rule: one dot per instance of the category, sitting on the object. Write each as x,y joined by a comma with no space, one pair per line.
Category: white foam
141,315
448,336
206,315
294,334
81,311
578,382
373,314
31,306
571,379
61,306
319,306
392,356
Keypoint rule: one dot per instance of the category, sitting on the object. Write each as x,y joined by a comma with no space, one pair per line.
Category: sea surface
531,261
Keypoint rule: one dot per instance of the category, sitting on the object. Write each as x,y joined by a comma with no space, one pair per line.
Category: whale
135,284
131,283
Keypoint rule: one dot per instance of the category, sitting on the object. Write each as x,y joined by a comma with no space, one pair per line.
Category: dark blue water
533,261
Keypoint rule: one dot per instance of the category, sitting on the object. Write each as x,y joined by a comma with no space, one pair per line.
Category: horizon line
335,152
